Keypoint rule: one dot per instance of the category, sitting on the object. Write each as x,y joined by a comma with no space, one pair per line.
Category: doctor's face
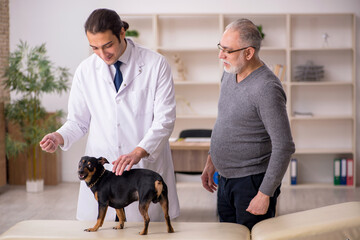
107,46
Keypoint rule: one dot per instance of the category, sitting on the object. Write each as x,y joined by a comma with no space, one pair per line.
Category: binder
293,171
343,172
336,171
350,172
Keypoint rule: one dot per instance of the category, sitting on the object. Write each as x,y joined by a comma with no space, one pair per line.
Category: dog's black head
88,166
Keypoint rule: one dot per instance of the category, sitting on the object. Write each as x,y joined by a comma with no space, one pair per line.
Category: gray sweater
252,133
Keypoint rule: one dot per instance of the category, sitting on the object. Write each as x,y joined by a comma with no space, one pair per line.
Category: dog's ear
102,160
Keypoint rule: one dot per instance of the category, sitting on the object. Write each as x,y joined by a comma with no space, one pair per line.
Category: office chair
198,133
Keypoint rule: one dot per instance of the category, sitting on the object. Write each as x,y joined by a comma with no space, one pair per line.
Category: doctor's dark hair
101,20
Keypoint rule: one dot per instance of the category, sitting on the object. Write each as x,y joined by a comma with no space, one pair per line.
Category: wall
60,25
4,53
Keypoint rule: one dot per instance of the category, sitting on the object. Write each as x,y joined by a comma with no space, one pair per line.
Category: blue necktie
118,76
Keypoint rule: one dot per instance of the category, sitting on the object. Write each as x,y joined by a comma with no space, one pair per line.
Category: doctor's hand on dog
126,161
51,141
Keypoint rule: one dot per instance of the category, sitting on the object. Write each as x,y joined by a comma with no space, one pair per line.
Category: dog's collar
93,184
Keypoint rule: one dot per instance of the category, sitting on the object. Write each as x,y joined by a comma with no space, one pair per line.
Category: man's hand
207,176
128,160
51,142
259,204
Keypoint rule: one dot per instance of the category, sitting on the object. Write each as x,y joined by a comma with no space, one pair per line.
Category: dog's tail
158,187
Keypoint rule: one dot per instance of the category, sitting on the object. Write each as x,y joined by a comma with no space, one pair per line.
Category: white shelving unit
330,132
290,40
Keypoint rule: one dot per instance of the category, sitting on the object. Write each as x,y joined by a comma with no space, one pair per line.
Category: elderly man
251,143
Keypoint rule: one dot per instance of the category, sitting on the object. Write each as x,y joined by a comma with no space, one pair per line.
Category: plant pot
35,186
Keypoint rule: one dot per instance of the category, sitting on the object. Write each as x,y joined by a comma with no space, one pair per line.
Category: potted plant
260,28
132,33
29,75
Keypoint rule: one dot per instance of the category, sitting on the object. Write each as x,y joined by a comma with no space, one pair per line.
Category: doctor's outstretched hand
51,141
128,160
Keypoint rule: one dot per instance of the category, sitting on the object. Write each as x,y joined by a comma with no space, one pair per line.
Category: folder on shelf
350,172
336,171
293,171
343,171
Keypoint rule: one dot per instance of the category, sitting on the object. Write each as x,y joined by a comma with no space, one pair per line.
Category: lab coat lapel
136,71
104,72
136,64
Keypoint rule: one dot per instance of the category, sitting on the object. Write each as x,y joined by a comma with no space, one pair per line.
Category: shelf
322,83
320,118
203,84
316,185
194,66
323,99
267,48
190,49
198,117
144,25
322,49
324,151
309,30
184,30
338,65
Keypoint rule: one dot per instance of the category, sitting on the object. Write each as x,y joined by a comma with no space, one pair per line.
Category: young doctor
129,126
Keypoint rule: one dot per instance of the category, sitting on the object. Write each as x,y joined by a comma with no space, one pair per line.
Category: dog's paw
90,230
121,226
143,232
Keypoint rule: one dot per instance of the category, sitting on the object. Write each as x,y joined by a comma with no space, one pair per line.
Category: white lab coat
141,113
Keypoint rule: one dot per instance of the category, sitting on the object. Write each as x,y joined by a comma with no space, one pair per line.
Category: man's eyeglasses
232,51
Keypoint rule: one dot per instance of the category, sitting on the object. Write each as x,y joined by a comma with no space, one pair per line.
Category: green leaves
13,147
260,28
132,33
30,74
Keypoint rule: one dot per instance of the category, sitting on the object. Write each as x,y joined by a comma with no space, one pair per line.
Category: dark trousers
234,196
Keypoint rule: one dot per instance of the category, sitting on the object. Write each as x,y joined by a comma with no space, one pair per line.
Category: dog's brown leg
103,218
164,202
121,215
100,219
144,207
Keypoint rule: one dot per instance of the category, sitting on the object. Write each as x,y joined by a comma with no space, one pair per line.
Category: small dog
141,185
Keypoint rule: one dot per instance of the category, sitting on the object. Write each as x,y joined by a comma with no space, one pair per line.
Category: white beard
232,69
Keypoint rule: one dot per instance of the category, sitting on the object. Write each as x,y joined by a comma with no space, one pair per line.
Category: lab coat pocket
142,102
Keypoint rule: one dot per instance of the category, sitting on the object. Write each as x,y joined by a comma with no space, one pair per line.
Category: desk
189,156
